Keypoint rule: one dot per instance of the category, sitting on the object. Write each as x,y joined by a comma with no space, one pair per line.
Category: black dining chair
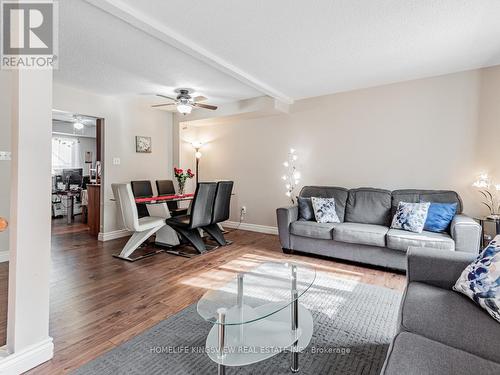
220,211
201,216
166,187
142,189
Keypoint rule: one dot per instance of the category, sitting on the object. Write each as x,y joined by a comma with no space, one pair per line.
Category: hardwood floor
98,302
4,289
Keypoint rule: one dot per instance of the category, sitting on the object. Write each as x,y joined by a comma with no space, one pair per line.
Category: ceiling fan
184,102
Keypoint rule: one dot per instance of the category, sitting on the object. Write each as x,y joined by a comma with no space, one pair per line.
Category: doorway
76,173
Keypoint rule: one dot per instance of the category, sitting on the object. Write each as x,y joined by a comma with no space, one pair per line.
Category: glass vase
182,186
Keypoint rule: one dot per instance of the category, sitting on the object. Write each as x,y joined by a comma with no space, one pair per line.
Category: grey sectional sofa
363,235
441,332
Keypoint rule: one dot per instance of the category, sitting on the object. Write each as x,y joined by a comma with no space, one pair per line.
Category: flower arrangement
292,176
181,177
490,193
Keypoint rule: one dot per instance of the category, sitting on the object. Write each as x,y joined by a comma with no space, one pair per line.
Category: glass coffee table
258,315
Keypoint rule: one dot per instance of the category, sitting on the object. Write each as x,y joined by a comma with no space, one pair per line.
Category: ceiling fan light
78,125
185,109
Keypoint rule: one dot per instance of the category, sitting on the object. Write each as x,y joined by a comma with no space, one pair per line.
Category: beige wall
435,133
5,145
125,118
489,122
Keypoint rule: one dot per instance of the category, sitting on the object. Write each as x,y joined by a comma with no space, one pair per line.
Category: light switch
5,155
116,161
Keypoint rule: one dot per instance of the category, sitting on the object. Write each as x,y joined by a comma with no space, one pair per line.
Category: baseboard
113,235
4,256
251,227
26,359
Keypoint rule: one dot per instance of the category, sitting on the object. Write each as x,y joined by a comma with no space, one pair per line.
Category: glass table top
257,293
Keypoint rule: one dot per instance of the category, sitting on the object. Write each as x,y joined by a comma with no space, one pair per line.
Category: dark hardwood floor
4,289
98,302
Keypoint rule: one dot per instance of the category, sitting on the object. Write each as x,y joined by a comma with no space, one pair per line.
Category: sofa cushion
339,193
398,239
363,234
368,206
312,229
433,196
451,318
412,354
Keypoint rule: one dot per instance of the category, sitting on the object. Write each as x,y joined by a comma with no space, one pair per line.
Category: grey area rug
353,326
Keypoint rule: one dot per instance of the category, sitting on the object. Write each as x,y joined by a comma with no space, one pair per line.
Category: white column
30,223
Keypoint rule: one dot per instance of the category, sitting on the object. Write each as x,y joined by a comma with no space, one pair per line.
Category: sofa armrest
440,268
286,216
466,233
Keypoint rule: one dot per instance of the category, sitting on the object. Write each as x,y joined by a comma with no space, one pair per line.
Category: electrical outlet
116,161
243,210
5,155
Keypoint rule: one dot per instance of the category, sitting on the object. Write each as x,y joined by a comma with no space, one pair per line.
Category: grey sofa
363,235
441,332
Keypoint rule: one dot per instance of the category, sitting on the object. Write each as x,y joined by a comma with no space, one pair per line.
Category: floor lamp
197,155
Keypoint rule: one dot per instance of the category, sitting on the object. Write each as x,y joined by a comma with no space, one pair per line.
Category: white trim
113,235
162,32
4,256
26,359
251,227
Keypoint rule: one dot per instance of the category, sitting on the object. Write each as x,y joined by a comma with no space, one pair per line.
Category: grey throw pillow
324,210
306,211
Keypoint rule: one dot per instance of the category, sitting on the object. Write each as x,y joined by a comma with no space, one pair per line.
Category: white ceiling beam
158,30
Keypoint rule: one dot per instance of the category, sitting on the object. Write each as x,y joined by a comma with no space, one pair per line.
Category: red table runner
163,198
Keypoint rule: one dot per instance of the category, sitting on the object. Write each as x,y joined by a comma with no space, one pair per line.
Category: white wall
124,118
417,134
5,145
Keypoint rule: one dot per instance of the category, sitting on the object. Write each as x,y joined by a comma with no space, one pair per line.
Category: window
64,153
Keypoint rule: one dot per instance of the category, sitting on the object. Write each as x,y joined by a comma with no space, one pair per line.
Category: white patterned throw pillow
410,216
324,210
480,281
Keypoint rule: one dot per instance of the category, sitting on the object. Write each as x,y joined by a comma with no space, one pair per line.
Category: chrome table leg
221,369
295,320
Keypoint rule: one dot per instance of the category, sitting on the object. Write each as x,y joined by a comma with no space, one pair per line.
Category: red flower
179,171
189,171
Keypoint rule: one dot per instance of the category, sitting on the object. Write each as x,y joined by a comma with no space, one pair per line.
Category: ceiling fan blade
206,106
166,97
200,98
162,105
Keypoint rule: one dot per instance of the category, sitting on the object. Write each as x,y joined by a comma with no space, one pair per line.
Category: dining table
157,206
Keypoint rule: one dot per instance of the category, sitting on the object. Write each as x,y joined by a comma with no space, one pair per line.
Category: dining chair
220,211
201,216
166,187
142,228
142,189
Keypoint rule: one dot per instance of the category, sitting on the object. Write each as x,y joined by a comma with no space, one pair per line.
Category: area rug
353,326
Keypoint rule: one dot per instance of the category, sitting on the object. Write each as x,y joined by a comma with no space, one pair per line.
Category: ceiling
100,53
232,50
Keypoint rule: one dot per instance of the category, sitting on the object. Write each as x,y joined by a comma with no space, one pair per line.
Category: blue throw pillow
440,216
